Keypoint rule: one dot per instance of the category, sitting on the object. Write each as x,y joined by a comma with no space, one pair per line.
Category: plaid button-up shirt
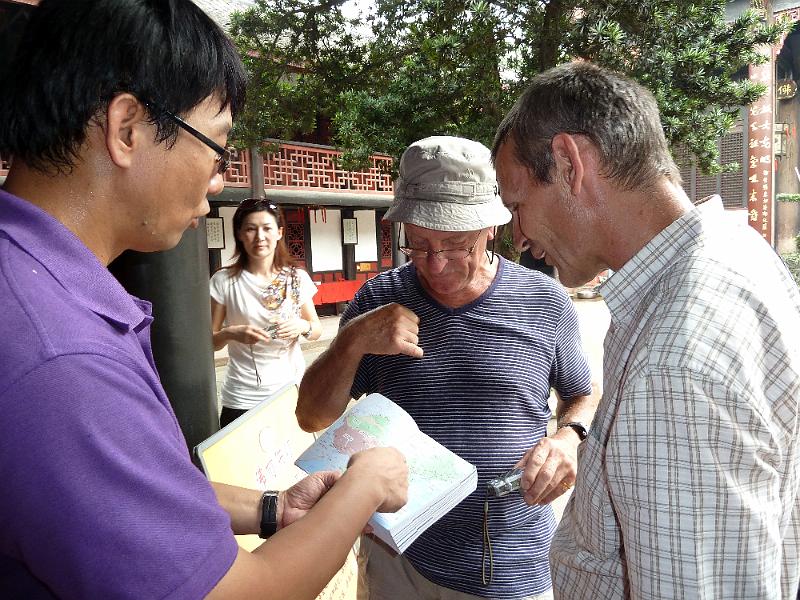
688,483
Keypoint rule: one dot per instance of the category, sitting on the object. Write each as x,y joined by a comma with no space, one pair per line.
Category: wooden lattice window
704,185
386,240
731,186
685,166
238,173
295,240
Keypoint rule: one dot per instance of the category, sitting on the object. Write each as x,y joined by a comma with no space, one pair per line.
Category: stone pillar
176,282
256,174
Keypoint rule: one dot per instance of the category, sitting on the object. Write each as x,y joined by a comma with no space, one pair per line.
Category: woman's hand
291,329
246,334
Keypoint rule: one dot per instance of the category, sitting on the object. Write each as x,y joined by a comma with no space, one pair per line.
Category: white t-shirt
279,362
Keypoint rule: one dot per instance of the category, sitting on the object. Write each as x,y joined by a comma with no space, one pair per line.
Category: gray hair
617,114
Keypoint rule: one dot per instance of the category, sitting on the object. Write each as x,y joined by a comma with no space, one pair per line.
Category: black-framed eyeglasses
223,155
446,253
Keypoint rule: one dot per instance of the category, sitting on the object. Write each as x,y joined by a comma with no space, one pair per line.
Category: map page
438,478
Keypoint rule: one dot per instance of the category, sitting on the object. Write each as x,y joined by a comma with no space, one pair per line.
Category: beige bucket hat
447,184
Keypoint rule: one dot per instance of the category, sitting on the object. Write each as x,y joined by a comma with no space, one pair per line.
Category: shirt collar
626,287
70,263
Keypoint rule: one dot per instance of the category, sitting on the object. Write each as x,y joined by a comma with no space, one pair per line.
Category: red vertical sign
761,119
760,159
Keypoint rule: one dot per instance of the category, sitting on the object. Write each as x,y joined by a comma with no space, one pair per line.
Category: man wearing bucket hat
470,345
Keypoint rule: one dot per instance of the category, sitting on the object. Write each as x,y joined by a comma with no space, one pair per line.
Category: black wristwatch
306,334
269,514
578,427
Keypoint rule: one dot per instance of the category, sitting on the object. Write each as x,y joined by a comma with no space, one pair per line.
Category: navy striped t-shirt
481,390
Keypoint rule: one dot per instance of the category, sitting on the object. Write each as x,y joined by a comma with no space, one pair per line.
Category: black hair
76,55
617,114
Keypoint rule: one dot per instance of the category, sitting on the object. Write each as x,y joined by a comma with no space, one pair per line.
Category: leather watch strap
269,514
578,427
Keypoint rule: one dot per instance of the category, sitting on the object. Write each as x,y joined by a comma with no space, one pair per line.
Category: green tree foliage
300,57
687,55
440,73
455,67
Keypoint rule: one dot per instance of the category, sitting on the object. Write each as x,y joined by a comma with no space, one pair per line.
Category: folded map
438,478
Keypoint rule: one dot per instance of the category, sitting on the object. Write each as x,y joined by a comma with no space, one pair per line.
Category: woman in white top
260,306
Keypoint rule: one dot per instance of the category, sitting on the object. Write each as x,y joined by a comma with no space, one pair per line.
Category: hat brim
448,216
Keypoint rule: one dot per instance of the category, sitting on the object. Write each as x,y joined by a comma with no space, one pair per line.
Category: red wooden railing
238,173
303,166
313,167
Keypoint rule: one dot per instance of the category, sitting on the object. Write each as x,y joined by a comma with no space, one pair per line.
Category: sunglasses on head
258,203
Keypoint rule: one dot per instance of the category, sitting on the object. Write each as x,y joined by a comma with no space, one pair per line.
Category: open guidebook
438,478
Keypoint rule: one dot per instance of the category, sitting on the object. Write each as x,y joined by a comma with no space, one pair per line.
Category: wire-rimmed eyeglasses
445,253
223,155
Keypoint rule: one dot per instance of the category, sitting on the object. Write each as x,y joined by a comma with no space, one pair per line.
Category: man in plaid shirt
688,481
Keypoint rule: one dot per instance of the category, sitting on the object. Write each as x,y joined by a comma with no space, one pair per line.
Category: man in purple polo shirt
100,499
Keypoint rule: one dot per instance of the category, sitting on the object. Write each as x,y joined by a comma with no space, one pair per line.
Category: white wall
326,240
367,248
226,254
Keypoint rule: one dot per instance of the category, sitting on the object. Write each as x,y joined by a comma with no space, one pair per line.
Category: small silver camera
505,484
272,330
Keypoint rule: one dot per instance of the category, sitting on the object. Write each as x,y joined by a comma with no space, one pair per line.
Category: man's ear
568,153
123,133
492,233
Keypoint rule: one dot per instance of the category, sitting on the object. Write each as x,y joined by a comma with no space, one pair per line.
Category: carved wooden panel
386,239
238,173
316,168
295,240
